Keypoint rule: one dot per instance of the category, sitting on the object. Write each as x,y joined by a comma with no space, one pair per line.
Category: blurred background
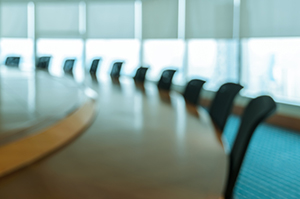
253,42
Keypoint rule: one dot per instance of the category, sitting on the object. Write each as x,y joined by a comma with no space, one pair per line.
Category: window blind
14,20
209,18
160,19
113,19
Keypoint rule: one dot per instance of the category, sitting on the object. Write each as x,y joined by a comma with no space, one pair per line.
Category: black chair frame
68,66
116,69
192,91
165,80
256,112
140,74
13,61
43,63
222,104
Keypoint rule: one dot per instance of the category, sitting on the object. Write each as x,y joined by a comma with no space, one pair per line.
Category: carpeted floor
271,167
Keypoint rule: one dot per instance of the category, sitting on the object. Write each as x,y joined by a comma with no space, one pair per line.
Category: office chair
256,111
94,67
140,74
116,69
43,63
165,81
12,61
222,103
192,91
68,66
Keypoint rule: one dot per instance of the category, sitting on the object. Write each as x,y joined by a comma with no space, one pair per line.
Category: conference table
29,98
143,143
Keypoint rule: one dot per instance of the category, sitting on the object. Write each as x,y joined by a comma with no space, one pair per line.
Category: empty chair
116,69
222,103
256,111
68,66
192,91
12,61
94,67
43,63
140,74
165,81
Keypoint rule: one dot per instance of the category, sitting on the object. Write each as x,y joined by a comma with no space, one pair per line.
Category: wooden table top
143,144
28,98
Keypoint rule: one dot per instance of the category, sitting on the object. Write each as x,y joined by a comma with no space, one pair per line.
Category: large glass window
164,54
60,50
18,47
112,50
270,61
272,66
212,60
15,34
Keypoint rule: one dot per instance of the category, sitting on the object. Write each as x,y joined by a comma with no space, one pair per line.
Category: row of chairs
256,111
42,63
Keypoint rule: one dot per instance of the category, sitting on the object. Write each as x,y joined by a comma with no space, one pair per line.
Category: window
271,66
212,60
59,50
164,54
14,30
111,50
18,47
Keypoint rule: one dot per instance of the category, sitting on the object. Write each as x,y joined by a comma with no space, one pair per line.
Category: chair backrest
12,61
192,91
222,103
140,74
68,66
165,80
256,111
116,69
94,66
43,63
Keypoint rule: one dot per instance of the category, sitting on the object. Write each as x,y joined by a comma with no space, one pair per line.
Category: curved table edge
23,152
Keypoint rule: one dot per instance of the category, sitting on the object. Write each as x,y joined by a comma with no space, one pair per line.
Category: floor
271,166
